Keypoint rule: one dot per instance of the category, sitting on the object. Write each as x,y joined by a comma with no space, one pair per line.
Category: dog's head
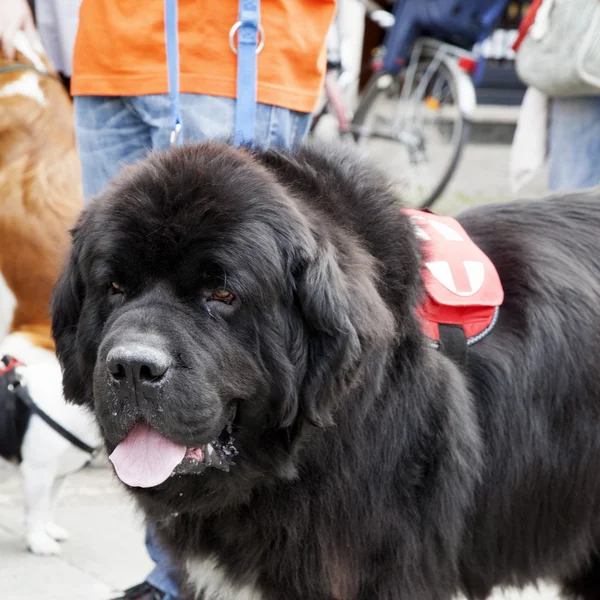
205,311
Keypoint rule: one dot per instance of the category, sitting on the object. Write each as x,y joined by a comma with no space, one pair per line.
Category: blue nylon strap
172,48
247,34
247,44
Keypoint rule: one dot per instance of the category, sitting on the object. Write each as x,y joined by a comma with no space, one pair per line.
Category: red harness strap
463,286
8,364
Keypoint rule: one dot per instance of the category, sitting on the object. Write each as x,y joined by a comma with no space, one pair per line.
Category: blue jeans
114,131
164,575
574,143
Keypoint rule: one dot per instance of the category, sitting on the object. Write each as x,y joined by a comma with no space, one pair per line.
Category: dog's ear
67,300
348,325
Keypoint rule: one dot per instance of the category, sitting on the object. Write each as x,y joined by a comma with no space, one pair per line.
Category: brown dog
40,188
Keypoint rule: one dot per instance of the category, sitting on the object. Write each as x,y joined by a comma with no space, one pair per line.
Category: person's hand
15,15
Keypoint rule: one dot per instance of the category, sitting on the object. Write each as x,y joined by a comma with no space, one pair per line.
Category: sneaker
142,591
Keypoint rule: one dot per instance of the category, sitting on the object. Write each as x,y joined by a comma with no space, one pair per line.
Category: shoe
142,591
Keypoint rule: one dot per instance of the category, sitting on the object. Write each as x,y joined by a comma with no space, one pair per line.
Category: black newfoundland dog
243,325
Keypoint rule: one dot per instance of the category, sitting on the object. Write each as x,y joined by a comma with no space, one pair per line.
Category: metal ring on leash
233,31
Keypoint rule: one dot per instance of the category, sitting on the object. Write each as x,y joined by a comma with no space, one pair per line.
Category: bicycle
419,101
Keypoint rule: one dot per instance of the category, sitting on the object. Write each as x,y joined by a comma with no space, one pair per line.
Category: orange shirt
120,49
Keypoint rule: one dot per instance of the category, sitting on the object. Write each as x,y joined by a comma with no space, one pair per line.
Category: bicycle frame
424,47
439,52
435,52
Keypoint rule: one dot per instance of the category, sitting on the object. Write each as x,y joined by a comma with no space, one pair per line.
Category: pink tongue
146,458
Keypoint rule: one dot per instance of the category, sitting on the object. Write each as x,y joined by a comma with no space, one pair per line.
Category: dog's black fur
369,466
14,419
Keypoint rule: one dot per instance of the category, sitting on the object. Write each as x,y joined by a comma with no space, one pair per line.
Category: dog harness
464,292
13,383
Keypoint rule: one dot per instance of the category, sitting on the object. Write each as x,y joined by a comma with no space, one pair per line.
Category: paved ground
105,552
482,177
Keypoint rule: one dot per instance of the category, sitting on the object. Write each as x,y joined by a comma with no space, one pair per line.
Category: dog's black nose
137,364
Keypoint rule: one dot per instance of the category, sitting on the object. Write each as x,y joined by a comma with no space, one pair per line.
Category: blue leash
172,48
250,42
251,39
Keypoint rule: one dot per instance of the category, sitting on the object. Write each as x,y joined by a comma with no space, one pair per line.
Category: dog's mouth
146,458
218,454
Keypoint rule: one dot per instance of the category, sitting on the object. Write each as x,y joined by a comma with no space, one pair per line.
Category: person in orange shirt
122,109
120,76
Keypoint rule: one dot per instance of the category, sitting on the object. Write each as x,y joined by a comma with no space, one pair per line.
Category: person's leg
109,134
164,575
212,118
278,127
574,143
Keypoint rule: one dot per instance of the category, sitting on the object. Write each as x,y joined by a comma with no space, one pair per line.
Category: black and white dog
44,456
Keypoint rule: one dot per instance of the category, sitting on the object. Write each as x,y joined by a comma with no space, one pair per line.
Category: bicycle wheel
413,127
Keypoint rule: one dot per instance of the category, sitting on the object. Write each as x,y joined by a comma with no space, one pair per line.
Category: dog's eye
115,288
222,296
